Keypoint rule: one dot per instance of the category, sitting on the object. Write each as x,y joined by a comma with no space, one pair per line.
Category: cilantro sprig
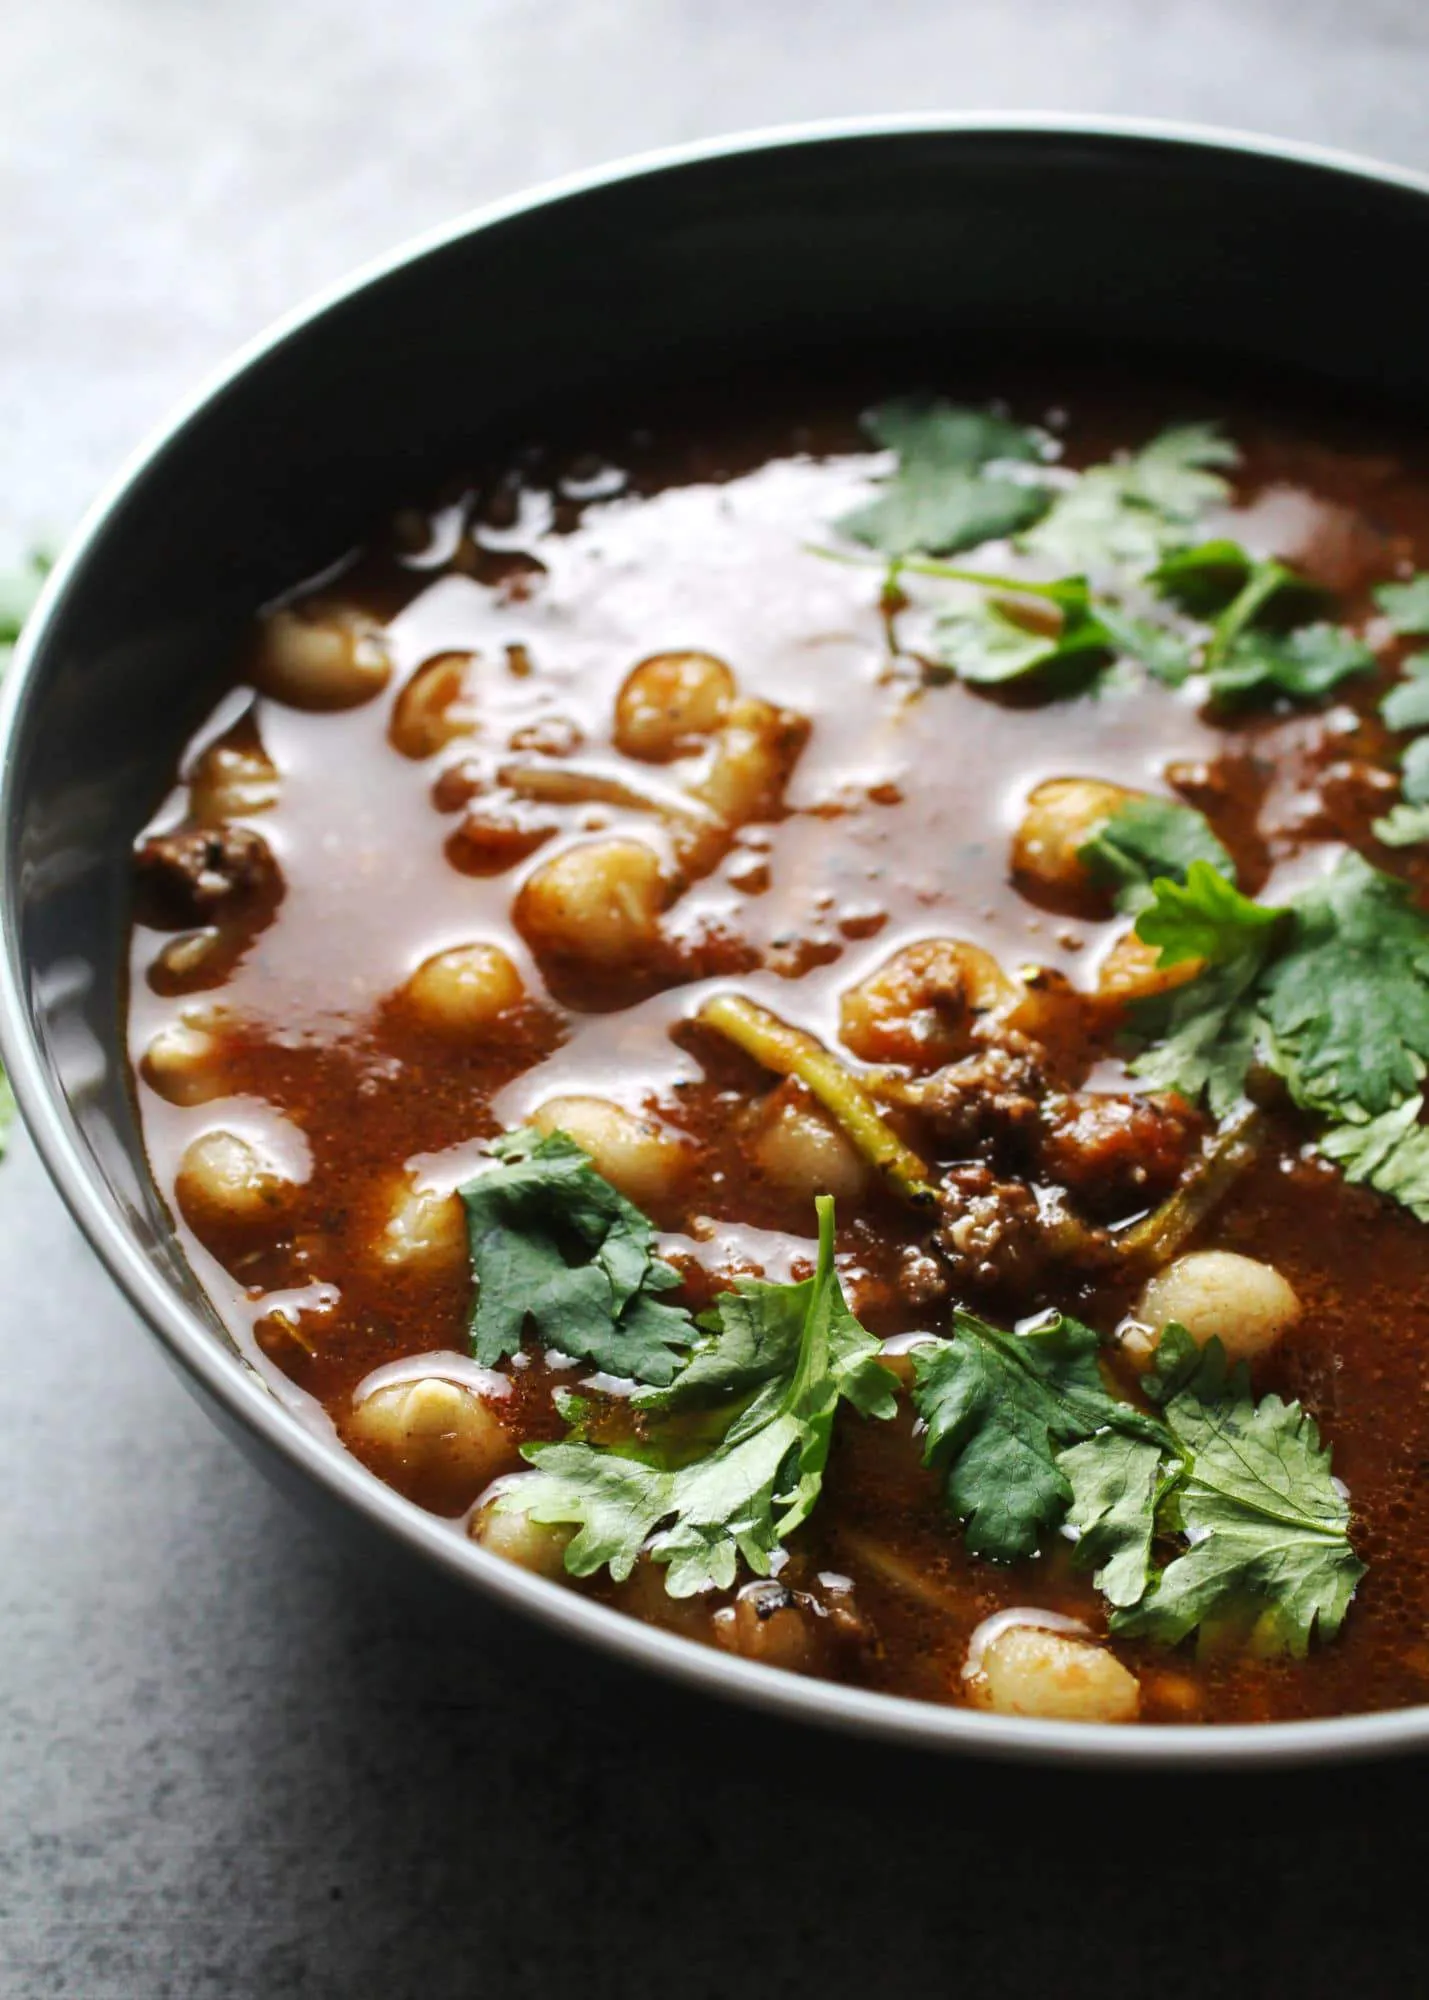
1406,605
1265,1528
1405,709
1146,839
1056,631
1125,514
743,1497
1329,991
1138,582
1258,646
1217,1513
947,492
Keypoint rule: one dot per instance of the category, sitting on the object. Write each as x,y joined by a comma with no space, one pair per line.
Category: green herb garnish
1251,1493
1236,1494
1243,659
946,493
1330,991
1302,666
1147,838
1406,605
1205,917
1130,524
747,1494
555,1247
1000,1410
1406,708
1011,636
1124,515
1403,826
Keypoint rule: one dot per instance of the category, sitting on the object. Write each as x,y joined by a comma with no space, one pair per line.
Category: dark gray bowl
813,240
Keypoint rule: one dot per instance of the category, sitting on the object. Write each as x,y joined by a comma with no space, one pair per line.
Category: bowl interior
927,239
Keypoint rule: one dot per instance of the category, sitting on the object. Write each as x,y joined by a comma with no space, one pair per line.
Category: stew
814,1024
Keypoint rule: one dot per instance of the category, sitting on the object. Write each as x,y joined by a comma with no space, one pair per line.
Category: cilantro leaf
1206,577
1166,655
1331,992
747,1337
1149,837
1414,772
996,640
1346,1000
1302,665
1389,1153
1267,1526
1115,1477
1201,1038
1403,826
1406,706
1009,635
999,1409
1030,1441
1124,514
1243,660
1406,605
760,1482
1204,917
943,497
555,1246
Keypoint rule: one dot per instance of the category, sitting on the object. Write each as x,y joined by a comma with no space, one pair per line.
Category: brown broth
895,826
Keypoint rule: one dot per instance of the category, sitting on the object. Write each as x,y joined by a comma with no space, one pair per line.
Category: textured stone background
235,1760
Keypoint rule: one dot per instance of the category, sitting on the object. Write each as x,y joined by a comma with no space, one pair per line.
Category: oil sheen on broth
361,953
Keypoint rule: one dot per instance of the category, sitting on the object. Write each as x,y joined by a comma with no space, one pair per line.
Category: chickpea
191,960
599,901
1048,1009
424,1232
226,1179
434,708
466,991
507,1532
433,1424
756,752
1061,816
643,1595
1132,971
644,1160
768,1623
801,1151
1246,1304
182,1061
322,656
921,1005
232,780
669,702
1027,1670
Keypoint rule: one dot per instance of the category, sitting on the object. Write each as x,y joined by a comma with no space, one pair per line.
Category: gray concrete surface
234,1759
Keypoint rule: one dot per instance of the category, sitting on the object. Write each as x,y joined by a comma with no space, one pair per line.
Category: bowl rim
231,1383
